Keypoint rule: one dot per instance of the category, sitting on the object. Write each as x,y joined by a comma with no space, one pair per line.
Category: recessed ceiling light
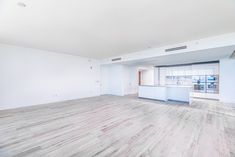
21,4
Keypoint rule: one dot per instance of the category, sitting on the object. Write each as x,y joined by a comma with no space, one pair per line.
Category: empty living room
117,78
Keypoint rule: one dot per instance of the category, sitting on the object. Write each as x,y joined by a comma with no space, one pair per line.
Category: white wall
130,80
112,80
227,80
119,80
31,76
104,70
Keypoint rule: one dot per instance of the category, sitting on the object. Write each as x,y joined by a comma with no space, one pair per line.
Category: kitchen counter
179,86
165,93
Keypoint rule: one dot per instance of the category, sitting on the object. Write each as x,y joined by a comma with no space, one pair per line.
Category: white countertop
167,92
180,86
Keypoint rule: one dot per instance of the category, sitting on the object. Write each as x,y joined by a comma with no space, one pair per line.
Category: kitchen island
165,93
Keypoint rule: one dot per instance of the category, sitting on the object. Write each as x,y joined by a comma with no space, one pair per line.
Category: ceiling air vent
176,48
116,59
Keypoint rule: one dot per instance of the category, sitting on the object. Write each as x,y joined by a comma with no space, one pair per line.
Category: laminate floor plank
112,126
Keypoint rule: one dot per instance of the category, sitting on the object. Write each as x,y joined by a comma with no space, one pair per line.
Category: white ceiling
213,54
105,28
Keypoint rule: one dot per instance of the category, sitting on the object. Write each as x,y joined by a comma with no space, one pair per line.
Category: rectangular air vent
116,59
175,48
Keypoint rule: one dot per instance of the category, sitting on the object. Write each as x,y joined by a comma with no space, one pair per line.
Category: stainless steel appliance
212,84
206,83
199,83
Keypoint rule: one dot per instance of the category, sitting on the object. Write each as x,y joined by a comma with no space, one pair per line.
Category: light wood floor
110,126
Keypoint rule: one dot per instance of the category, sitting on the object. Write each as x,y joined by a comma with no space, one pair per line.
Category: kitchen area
180,82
